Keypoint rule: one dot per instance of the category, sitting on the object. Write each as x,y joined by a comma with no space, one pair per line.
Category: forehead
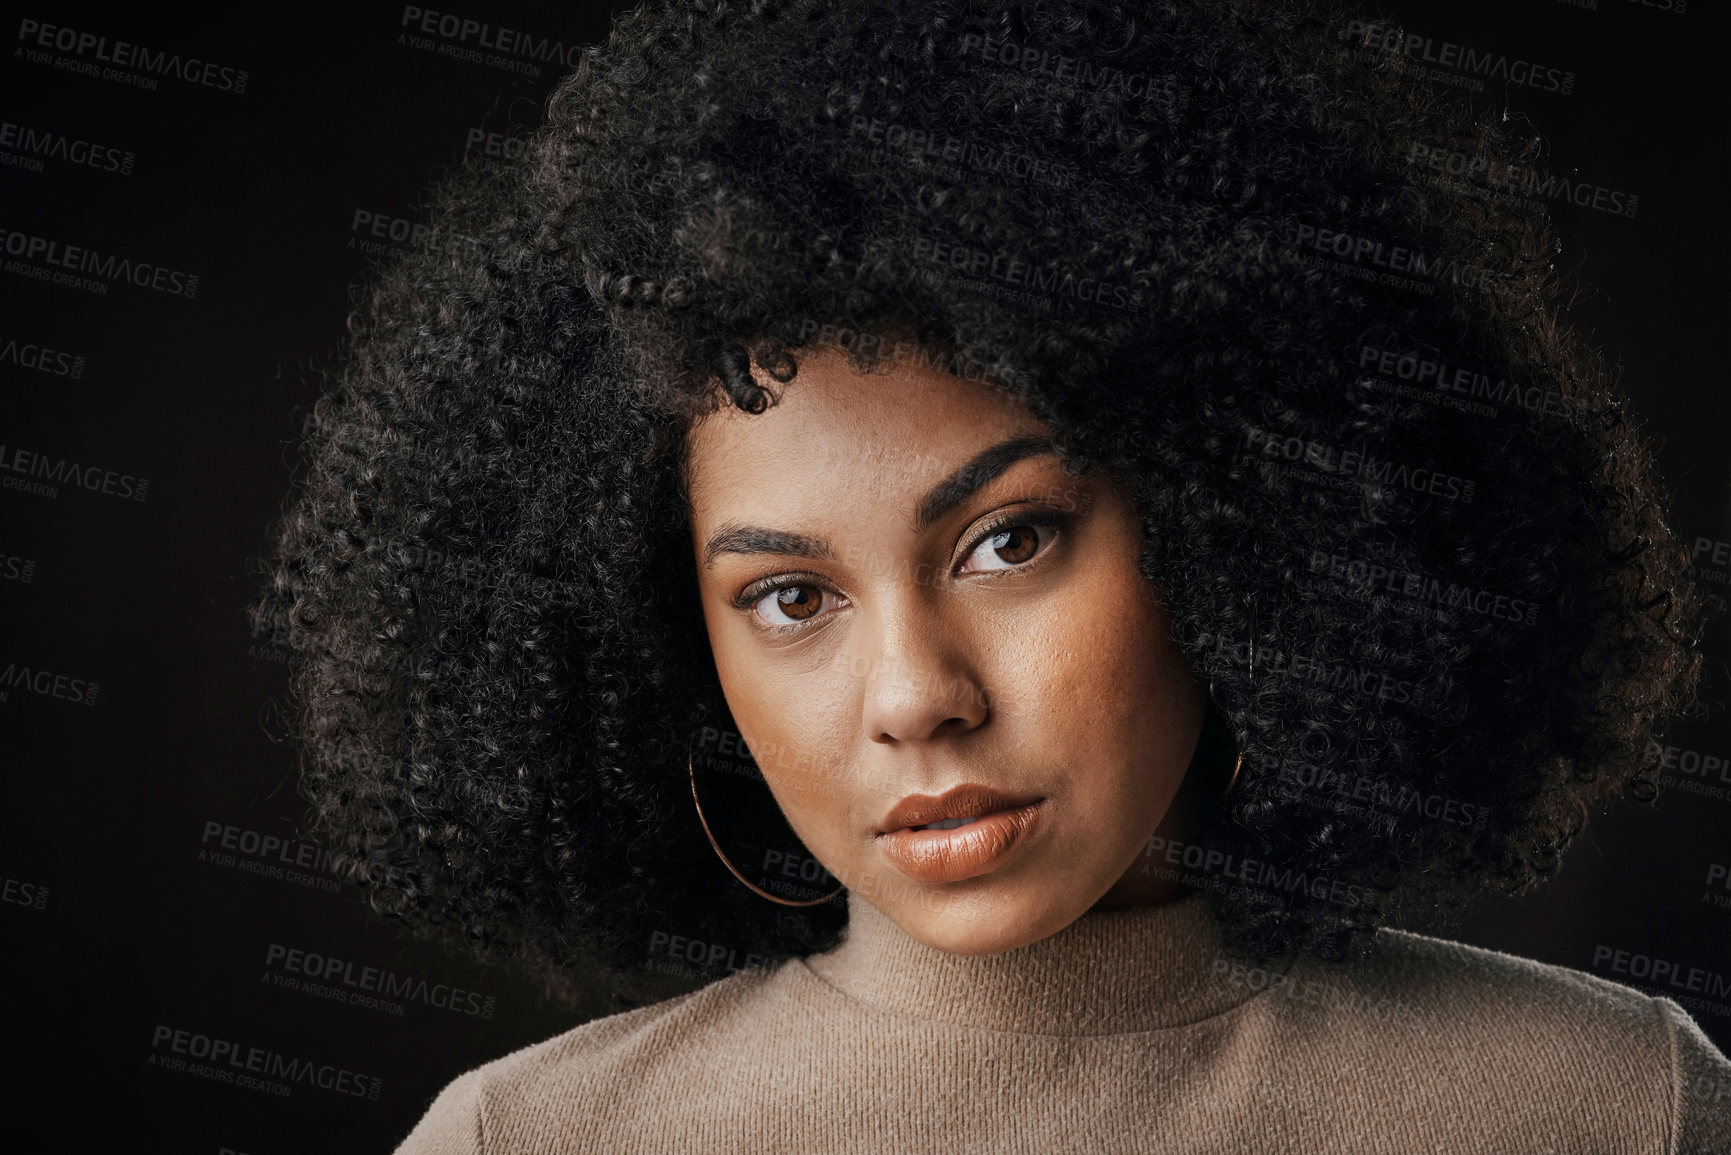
835,430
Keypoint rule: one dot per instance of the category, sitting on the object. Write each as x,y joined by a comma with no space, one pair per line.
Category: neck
1110,971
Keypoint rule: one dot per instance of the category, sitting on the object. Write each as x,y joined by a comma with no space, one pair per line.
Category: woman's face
905,592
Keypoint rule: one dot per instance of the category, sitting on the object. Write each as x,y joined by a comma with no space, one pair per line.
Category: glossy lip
938,856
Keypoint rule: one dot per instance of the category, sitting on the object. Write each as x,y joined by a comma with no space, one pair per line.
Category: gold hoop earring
691,769
1238,764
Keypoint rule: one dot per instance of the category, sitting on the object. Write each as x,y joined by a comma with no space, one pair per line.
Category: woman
1006,548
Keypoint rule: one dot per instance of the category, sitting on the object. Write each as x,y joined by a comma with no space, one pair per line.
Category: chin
993,919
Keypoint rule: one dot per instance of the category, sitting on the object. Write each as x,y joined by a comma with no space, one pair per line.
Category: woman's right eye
791,605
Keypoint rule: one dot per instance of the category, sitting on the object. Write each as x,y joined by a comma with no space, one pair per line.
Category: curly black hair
1408,530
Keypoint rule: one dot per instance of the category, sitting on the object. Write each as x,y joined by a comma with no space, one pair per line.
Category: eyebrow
946,495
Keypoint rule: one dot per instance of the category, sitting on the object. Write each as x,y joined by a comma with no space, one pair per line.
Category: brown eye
1016,545
790,604
1009,547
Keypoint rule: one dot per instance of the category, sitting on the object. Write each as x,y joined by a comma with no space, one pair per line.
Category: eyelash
747,599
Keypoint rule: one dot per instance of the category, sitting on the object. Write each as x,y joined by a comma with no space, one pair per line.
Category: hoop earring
691,769
1236,767
1237,764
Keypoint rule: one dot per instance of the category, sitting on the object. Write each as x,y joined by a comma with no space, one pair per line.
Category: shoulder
585,1065
1469,981
1450,995
1490,1024
1469,994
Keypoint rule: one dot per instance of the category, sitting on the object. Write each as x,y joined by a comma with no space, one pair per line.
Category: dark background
120,916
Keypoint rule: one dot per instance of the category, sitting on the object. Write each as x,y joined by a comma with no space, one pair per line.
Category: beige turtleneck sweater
1125,1031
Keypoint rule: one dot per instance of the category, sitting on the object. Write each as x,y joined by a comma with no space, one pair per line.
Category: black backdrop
186,202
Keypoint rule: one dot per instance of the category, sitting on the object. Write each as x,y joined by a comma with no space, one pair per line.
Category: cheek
789,715
1099,674
1101,687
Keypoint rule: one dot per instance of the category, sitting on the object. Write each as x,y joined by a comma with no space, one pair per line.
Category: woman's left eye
1008,548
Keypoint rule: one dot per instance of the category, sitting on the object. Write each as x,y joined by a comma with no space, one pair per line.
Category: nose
921,683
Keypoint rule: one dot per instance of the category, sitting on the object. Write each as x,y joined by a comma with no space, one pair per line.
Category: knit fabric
1126,1031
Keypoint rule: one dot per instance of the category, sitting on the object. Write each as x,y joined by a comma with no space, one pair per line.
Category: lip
1002,822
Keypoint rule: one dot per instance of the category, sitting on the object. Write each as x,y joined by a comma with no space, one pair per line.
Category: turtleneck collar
1109,972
